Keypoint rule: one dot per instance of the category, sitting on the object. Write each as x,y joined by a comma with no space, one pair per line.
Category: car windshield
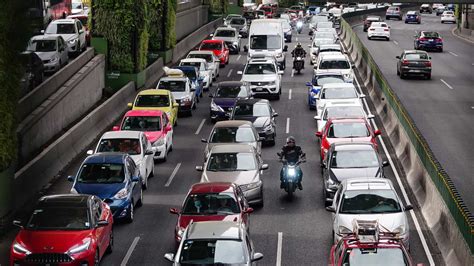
344,112
211,46
348,130
101,173
392,9
211,203
430,34
42,46
369,202
212,252
207,57
338,93
225,33
416,56
375,256
59,218
253,110
260,69
318,42
130,146
323,35
265,42
190,73
172,85
142,123
232,134
193,64
152,101
231,162
324,25
319,81
231,92
61,28
354,159
334,64
237,21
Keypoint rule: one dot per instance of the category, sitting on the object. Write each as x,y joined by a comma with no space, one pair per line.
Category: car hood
184,219
390,221
264,78
237,177
224,102
258,122
103,191
153,136
181,94
226,39
345,173
51,241
46,55
68,37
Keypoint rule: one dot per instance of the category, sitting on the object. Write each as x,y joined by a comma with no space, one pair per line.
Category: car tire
428,76
110,247
140,201
406,22
190,112
277,97
388,38
130,214
368,37
398,72
441,50
402,76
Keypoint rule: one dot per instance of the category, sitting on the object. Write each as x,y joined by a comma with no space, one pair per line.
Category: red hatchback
346,130
218,47
217,201
70,229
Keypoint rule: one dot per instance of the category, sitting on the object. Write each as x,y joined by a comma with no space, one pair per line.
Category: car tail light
405,62
428,64
422,39
439,40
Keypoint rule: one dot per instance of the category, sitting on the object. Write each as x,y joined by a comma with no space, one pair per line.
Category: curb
455,34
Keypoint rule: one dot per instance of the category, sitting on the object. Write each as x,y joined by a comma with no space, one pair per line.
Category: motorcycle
299,26
291,176
298,63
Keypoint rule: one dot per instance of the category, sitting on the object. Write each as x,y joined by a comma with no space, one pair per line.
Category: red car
218,47
269,11
70,229
156,126
83,18
215,201
344,130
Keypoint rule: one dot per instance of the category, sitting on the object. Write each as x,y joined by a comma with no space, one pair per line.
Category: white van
266,37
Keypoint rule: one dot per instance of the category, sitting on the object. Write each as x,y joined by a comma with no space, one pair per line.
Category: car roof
354,102
187,60
212,187
264,60
233,123
350,146
330,46
252,101
212,41
226,28
129,134
77,16
329,73
232,148
143,113
347,120
154,92
200,52
106,157
367,183
414,52
62,21
67,200
344,85
214,230
172,77
335,56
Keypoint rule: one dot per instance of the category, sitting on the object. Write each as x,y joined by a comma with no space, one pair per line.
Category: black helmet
298,45
290,139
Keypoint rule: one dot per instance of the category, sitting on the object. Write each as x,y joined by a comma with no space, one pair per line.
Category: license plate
259,89
431,40
415,71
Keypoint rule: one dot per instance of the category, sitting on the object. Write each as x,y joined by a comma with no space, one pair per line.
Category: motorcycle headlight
18,248
291,171
250,186
81,247
344,230
159,142
122,194
216,108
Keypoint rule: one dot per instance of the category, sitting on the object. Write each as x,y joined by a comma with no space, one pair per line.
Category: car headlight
401,230
250,186
159,142
344,230
279,55
268,127
348,76
122,194
331,184
53,59
73,191
72,41
18,248
81,247
216,108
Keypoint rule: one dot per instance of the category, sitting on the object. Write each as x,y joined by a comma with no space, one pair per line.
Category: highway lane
303,224
442,107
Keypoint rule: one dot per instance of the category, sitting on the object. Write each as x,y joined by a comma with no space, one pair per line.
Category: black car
347,160
260,113
34,75
225,96
414,62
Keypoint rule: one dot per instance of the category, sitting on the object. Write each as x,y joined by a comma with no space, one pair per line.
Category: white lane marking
230,73
200,127
447,85
170,179
287,125
238,57
452,53
296,39
279,247
289,94
130,251
395,42
402,188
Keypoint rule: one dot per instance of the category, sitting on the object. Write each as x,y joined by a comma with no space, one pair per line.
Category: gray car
72,31
240,24
239,164
215,243
230,36
51,49
414,62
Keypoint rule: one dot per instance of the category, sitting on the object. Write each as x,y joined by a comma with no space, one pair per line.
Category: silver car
51,49
72,31
215,243
239,164
369,199
241,25
180,87
213,62
230,36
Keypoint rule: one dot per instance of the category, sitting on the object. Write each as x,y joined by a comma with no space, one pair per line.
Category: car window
254,110
152,101
430,34
207,57
378,256
172,85
321,80
141,123
211,203
348,130
212,251
265,42
211,46
42,45
132,167
354,159
338,93
59,218
61,28
260,69
371,201
416,56
344,112
334,64
125,145
232,134
225,33
231,162
231,92
101,173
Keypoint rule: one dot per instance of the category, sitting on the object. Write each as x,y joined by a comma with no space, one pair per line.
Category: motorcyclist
292,154
298,52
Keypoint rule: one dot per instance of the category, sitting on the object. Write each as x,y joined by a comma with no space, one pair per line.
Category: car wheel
406,22
388,38
97,258
440,50
130,214
190,112
428,76
140,201
402,76
110,247
277,97
368,37
398,72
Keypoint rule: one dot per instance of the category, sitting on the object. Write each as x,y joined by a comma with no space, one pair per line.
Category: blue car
225,96
114,178
428,40
193,74
413,17
318,81
313,10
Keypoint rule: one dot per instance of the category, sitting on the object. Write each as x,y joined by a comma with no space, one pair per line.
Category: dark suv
414,62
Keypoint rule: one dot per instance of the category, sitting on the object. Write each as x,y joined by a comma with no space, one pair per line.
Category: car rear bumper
414,70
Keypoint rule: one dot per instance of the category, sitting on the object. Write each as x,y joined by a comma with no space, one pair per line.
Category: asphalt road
303,225
443,107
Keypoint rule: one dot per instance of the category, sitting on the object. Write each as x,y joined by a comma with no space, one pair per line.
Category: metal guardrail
458,209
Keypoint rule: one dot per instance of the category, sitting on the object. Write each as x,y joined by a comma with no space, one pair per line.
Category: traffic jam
370,223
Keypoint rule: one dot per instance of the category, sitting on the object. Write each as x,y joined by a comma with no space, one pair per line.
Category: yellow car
154,99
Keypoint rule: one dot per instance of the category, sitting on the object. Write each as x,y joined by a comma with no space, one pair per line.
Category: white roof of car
378,24
354,102
192,60
46,37
214,230
365,183
225,28
129,134
329,46
338,86
63,21
200,52
333,56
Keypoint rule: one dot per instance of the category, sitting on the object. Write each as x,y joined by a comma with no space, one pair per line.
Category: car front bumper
412,70
51,67
269,135
264,90
79,259
119,208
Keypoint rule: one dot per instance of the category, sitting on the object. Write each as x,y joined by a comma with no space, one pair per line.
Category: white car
180,87
229,17
326,35
51,49
369,199
211,59
335,62
77,7
72,31
339,110
448,16
337,92
136,144
263,76
315,20
202,66
314,48
378,30
230,36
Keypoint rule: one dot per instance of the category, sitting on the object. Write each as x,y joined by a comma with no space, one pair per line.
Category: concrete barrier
38,95
154,73
187,21
425,177
38,172
61,109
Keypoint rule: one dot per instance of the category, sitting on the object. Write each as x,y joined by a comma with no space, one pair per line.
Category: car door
148,159
63,50
167,129
82,33
100,231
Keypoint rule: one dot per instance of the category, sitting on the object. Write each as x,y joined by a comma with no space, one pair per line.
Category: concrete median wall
43,168
446,216
189,20
37,96
62,108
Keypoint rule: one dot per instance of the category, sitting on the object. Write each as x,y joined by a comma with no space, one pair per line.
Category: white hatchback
448,16
378,30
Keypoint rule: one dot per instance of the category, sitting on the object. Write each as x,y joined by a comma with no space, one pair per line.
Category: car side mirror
377,132
175,105
199,168
239,72
70,178
174,211
398,57
116,128
264,167
129,105
169,257
385,163
257,256
149,152
317,117
204,140
319,134
330,209
275,114
281,72
248,210
90,152
42,31
81,31
102,223
240,36
211,35
18,223
135,178
408,207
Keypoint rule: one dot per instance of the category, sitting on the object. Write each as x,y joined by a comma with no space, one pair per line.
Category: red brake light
422,39
439,40
385,29
405,62
428,64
